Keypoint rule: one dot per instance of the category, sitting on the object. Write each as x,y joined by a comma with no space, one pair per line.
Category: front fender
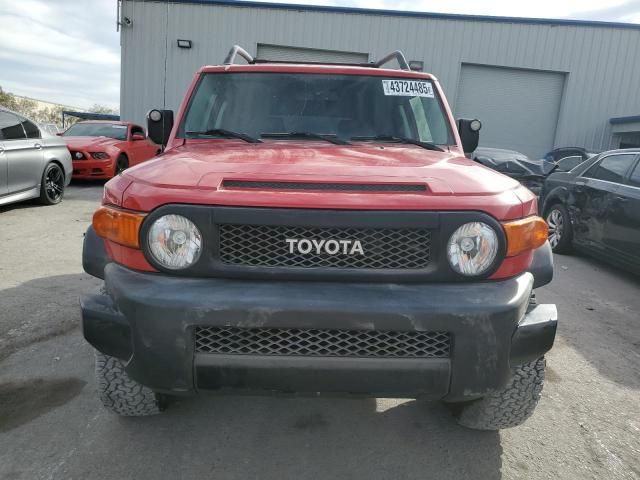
558,194
542,265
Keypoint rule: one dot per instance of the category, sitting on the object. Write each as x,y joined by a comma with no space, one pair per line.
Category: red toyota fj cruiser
317,228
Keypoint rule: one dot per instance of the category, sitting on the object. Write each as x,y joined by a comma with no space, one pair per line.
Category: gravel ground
587,425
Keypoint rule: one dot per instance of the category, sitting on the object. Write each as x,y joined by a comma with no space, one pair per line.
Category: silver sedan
33,163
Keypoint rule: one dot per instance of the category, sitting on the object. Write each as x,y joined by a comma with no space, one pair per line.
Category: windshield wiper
391,138
221,132
319,136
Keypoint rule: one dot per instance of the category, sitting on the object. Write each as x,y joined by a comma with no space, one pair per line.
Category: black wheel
52,185
509,406
121,394
122,163
560,230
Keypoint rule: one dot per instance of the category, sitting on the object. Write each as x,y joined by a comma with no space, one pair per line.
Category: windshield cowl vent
326,187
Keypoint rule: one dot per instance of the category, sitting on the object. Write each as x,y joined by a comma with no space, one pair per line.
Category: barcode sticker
407,88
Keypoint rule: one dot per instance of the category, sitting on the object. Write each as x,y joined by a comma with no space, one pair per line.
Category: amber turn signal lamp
119,226
526,234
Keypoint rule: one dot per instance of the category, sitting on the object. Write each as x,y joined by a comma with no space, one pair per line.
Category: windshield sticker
407,88
122,127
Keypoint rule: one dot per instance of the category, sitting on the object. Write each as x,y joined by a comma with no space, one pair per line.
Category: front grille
325,187
322,343
382,248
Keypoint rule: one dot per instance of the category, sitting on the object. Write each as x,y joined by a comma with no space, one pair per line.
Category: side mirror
159,125
136,137
469,131
59,134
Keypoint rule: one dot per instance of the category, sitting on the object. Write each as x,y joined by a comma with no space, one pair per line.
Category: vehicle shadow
598,309
242,437
25,204
88,183
40,309
313,438
78,189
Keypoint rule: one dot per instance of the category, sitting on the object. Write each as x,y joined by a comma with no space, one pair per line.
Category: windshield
347,106
112,130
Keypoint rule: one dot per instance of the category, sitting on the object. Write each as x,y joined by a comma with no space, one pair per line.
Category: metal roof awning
88,116
620,125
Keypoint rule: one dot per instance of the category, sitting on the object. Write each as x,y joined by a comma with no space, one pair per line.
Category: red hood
89,142
206,165
194,173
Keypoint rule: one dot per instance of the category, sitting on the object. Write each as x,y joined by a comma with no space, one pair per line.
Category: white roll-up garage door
518,108
294,54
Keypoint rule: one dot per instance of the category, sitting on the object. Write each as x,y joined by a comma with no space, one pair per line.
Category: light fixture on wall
416,65
184,43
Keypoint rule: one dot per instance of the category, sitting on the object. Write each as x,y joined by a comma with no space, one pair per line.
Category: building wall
601,64
40,104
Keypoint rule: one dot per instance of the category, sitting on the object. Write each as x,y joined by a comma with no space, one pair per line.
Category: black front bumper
149,321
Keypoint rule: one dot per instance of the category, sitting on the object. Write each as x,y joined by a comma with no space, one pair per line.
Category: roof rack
258,61
238,50
234,52
397,55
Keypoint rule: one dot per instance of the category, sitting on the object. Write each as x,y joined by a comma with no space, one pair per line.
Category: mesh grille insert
322,343
323,187
382,248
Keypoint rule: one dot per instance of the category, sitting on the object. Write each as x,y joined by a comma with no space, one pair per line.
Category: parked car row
590,201
35,163
531,173
102,149
595,208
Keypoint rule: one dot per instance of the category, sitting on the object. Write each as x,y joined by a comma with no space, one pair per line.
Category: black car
595,207
530,173
563,152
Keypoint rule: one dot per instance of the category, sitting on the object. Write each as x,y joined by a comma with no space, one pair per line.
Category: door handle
37,146
619,199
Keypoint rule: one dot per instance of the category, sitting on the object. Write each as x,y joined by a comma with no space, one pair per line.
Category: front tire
122,163
52,184
560,229
509,406
121,394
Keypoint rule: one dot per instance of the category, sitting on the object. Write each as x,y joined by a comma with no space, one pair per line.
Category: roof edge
620,120
400,13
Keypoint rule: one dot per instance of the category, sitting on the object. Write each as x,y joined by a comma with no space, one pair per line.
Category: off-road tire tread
510,406
119,393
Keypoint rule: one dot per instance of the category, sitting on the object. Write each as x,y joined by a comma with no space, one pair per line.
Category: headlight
99,155
174,242
472,248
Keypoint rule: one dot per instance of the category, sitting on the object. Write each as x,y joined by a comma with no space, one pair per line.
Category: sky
68,51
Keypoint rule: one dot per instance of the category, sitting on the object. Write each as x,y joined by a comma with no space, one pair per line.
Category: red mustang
102,149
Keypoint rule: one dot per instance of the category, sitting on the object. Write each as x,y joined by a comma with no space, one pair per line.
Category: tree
7,100
29,108
97,108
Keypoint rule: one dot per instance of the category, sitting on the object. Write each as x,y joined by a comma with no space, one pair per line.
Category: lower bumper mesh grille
322,343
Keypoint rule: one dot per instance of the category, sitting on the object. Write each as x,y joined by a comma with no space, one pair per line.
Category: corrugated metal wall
602,64
519,108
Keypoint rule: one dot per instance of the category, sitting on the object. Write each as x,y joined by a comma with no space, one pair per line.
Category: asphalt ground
587,425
